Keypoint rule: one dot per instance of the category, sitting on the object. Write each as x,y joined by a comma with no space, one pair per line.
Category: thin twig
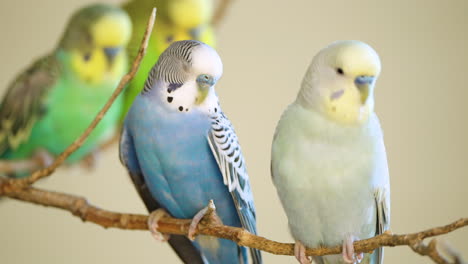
80,207
220,12
21,183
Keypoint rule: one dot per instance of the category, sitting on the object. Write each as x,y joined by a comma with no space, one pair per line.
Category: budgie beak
111,53
204,82
364,84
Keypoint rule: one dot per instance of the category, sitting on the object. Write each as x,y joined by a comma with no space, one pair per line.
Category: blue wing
226,150
184,248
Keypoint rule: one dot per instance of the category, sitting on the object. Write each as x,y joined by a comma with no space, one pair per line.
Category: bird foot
90,161
209,211
43,158
153,219
348,251
299,252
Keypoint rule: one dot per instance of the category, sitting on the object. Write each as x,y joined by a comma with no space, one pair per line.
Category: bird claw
348,251
153,219
299,252
212,217
195,221
44,158
90,161
359,257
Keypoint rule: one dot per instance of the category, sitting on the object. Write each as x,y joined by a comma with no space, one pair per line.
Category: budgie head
185,75
189,13
95,41
340,82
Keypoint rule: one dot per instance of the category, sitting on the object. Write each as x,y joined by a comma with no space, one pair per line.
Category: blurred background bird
176,20
53,101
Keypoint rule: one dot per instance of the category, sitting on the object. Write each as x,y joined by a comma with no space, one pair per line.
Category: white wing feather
227,152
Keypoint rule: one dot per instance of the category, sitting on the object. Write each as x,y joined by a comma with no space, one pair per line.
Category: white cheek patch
182,98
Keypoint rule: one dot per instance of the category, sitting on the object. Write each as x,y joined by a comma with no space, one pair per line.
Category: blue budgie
328,160
181,151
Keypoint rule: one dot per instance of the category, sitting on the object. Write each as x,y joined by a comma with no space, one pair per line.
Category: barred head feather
173,64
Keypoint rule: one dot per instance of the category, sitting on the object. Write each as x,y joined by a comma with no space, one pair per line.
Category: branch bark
79,207
15,184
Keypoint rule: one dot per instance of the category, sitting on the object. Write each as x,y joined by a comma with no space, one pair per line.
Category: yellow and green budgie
176,20
52,102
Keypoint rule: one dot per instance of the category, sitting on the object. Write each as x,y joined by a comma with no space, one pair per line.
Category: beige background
266,46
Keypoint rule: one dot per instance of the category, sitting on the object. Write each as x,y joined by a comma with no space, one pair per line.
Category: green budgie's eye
87,57
170,38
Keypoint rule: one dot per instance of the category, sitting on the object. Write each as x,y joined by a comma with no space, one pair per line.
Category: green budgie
176,20
52,102
328,158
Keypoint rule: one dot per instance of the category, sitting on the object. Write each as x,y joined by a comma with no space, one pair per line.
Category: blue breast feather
172,152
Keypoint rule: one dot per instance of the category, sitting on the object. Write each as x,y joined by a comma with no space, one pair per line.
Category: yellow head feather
190,13
113,30
334,86
95,39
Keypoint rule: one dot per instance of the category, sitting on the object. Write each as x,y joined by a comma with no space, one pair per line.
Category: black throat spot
173,86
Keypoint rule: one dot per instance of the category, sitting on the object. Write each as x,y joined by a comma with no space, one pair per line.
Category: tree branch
14,184
220,12
78,206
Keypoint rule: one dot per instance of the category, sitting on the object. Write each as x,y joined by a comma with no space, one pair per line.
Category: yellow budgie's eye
340,71
87,57
91,66
98,65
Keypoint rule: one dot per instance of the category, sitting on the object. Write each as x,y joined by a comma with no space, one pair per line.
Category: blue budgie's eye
205,81
205,78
